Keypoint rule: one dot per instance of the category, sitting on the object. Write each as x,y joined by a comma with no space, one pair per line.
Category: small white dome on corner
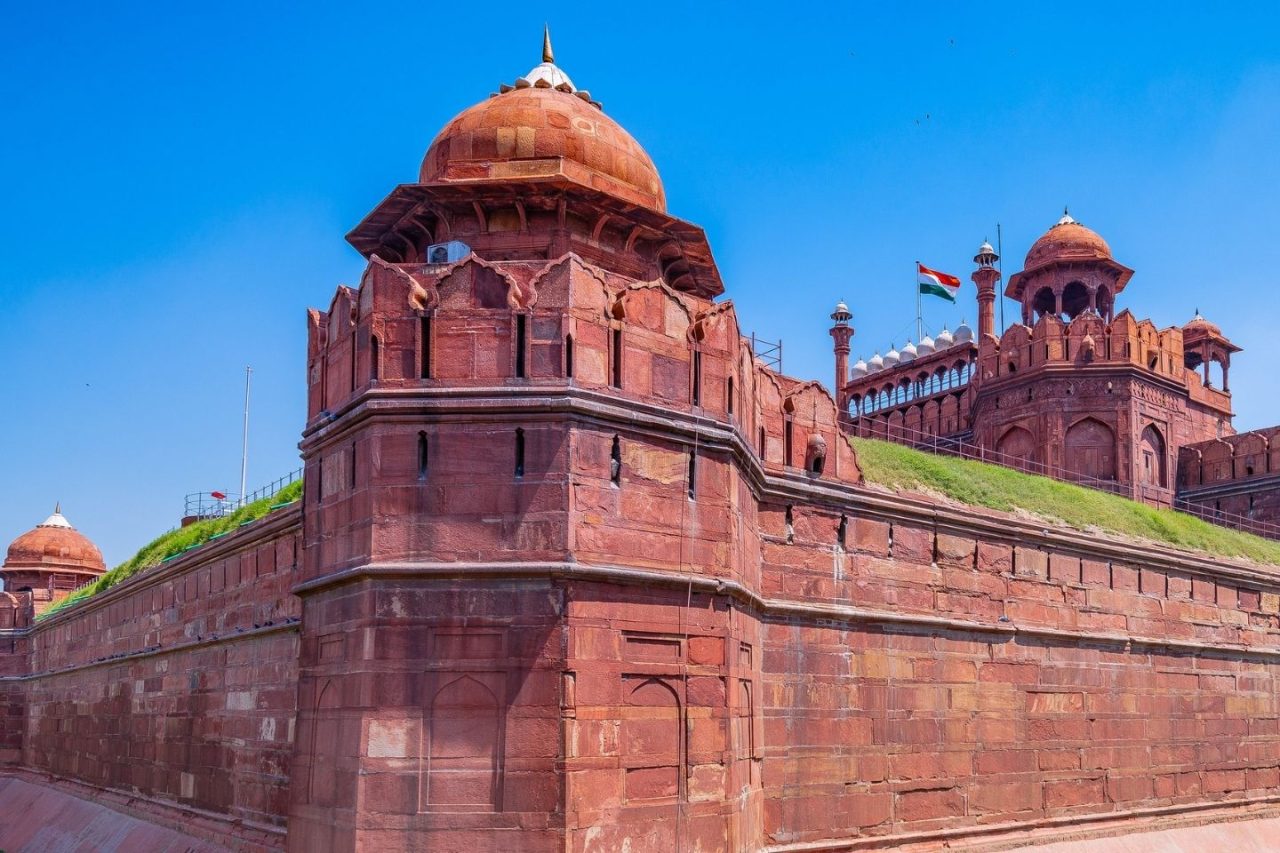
925,346
908,352
964,334
892,357
876,363
859,368
945,339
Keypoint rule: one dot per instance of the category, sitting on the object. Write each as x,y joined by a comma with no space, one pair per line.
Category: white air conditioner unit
447,253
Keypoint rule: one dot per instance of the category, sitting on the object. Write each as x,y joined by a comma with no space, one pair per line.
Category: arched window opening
1075,299
1217,374
1044,302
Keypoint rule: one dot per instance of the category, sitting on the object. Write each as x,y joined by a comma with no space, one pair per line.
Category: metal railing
768,352
1149,493
201,505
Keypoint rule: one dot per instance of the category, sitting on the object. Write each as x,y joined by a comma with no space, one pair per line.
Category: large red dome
1068,240
55,544
538,122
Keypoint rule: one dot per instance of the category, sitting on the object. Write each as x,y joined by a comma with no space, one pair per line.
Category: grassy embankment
182,539
995,487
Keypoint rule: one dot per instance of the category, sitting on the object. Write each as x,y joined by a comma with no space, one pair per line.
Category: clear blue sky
177,183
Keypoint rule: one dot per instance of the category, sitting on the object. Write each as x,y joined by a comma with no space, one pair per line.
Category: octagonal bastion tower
538,456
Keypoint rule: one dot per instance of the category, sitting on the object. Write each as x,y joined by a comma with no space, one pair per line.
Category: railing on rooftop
1148,493
769,352
202,505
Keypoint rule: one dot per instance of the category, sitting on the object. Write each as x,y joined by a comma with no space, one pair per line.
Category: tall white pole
244,444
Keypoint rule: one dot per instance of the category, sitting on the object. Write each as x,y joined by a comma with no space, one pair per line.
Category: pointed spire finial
57,508
547,55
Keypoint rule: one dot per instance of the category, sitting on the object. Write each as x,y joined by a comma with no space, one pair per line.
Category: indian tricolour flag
937,283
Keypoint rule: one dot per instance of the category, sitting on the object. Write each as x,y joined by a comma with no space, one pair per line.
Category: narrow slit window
786,443
521,334
791,526
615,462
729,401
373,357
423,459
424,343
697,377
693,474
842,532
353,465
568,356
762,444
615,378
353,360
519,453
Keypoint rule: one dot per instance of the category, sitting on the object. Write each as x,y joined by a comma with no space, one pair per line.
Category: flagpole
244,444
1000,267
919,310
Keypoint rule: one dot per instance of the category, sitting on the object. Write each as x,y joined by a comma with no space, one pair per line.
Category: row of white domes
927,345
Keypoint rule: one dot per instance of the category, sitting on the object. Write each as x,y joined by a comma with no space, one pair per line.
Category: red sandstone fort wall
177,688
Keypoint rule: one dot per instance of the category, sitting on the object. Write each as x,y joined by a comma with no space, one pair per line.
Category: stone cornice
768,607
769,484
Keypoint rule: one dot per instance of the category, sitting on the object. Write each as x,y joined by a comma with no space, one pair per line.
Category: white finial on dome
57,519
547,75
1066,217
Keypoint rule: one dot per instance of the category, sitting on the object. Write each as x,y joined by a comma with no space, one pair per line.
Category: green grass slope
182,539
995,487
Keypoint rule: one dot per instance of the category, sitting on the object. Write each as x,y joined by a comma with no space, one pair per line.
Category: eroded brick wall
927,681
179,686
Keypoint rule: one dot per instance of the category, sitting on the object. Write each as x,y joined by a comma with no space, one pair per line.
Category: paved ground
40,819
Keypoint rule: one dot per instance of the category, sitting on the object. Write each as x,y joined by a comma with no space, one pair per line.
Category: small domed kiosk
50,560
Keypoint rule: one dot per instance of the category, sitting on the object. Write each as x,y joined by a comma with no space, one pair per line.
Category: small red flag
218,495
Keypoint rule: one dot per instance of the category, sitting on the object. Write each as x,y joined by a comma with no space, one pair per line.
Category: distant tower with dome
1075,390
50,561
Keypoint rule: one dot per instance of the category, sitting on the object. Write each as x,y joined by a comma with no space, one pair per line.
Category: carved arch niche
1152,462
651,739
1089,450
463,749
1018,447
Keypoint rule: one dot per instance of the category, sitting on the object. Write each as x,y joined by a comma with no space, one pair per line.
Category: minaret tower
985,277
843,333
